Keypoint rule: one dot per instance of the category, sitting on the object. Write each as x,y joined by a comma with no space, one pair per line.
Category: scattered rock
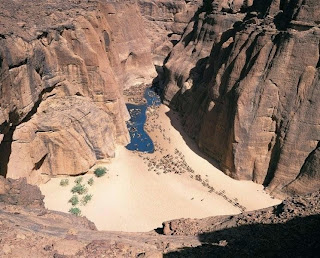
21,236
3,189
68,247
6,249
19,192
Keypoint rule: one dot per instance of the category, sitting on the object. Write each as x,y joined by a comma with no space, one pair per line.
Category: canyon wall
165,21
63,67
244,75
245,79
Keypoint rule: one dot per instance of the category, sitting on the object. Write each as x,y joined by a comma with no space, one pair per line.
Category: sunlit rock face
63,68
246,81
243,74
165,22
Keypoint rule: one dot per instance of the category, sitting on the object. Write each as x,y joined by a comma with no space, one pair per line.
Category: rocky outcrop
290,229
18,192
28,230
246,81
165,21
290,208
63,68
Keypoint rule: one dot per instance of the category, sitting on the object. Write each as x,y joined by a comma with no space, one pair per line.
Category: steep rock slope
165,21
63,66
248,91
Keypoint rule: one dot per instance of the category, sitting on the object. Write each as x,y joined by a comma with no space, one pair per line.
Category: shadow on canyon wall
175,122
299,237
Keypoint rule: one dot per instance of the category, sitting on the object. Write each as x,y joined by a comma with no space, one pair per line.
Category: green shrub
85,199
74,200
75,211
100,171
64,182
78,180
79,189
90,181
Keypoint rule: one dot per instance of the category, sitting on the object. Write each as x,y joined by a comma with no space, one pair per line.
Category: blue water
140,140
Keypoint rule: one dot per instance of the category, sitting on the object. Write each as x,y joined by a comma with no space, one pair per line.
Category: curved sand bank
136,196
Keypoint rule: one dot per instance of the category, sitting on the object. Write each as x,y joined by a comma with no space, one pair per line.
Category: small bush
85,199
79,189
78,180
74,200
75,211
64,182
90,181
99,172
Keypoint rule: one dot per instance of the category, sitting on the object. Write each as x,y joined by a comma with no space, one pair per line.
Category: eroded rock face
18,192
165,21
248,91
62,71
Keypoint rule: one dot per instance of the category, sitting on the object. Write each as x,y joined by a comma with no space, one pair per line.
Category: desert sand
142,190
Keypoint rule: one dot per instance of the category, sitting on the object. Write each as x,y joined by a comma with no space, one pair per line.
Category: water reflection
140,140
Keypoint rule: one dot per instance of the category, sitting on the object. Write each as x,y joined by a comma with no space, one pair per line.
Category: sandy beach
142,190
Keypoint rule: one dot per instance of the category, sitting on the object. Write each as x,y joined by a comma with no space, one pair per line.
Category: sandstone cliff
243,74
245,78
165,21
63,67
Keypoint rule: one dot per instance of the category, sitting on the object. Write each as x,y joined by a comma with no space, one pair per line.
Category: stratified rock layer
248,91
63,68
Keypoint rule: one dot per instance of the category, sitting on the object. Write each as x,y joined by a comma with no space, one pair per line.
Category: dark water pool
140,140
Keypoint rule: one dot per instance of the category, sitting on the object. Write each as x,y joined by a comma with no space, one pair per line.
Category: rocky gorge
243,75
224,65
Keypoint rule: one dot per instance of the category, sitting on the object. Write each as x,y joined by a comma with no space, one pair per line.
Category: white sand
131,198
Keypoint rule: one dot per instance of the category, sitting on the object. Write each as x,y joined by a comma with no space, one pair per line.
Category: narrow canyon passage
141,190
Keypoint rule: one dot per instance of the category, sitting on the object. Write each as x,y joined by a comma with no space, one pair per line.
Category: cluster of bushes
75,211
64,182
100,171
80,190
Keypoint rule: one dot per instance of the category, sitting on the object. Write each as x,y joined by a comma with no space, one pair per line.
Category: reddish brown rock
18,192
27,229
165,22
290,208
63,68
289,229
248,92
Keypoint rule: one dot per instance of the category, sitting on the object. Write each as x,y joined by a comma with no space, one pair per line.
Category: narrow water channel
140,140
